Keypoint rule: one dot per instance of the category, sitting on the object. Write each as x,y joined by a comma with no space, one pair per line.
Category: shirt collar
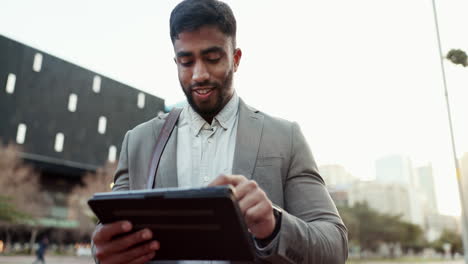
223,118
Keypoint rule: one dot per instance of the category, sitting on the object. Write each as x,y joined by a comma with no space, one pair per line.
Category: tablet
190,223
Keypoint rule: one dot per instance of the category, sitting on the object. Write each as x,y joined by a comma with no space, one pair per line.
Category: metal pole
464,219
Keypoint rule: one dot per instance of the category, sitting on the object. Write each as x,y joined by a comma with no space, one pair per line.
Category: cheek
221,71
184,76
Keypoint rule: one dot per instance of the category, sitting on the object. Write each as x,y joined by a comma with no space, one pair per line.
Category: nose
200,73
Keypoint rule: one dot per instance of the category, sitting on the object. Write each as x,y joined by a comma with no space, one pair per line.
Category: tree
458,56
451,238
369,228
21,201
92,182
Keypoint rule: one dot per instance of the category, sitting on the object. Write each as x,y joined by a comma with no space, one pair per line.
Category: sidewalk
89,260
48,259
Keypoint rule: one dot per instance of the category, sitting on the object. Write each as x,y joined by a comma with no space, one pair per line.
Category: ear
237,58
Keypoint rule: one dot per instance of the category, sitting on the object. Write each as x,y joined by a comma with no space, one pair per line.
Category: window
141,100
72,101
112,154
59,139
37,64
21,133
102,125
10,84
97,84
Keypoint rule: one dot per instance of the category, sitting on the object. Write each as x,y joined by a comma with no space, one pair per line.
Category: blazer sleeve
311,228
121,177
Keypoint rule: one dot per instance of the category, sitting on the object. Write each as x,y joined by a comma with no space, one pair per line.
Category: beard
223,96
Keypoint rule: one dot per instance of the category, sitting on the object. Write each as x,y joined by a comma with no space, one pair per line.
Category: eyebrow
212,49
184,54
203,52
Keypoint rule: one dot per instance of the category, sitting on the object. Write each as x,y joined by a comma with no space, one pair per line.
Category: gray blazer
274,153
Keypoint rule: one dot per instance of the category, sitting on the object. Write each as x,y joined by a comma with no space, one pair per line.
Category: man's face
206,61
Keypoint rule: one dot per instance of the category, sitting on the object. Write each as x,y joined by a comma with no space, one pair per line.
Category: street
89,260
48,260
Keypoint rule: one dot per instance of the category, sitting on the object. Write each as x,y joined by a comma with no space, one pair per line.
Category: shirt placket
206,163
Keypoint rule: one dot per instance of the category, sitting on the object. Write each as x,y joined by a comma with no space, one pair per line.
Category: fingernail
151,255
146,234
126,226
154,245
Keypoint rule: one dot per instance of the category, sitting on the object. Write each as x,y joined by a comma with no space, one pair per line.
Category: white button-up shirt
204,151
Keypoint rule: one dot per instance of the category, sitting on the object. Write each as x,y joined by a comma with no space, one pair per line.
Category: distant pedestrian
40,252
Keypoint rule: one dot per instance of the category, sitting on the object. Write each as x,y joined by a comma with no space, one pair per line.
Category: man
220,140
40,252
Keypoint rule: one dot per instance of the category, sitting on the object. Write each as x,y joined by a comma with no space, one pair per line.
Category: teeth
203,91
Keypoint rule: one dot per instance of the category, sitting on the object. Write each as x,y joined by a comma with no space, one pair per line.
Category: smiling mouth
203,91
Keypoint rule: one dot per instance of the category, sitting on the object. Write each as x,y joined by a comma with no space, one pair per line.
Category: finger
245,188
105,232
143,259
250,200
134,253
124,243
227,179
259,213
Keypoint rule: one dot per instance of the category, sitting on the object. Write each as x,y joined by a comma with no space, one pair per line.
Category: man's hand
253,202
110,250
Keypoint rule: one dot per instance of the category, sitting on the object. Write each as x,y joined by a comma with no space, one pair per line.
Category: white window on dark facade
97,84
21,133
141,100
10,84
112,153
37,64
72,101
59,140
102,124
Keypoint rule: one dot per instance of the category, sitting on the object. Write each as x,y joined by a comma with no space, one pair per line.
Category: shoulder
148,127
156,122
269,121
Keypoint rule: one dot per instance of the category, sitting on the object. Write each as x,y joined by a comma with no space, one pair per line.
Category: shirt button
209,140
205,179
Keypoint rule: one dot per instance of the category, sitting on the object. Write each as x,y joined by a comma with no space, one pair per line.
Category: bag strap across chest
161,142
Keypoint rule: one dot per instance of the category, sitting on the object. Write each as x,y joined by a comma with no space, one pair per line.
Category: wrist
277,216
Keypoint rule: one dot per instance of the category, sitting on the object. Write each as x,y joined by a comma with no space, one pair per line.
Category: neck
209,118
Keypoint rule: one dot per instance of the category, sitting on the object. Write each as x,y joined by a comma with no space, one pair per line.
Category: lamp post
464,219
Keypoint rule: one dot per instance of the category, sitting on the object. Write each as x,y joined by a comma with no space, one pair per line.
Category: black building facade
67,119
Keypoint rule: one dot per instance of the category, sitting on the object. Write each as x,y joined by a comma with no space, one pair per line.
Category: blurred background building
398,189
68,120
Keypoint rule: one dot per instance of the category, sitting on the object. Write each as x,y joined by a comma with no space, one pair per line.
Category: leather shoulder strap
161,142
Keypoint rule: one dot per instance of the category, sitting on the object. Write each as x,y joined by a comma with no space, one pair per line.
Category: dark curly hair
190,15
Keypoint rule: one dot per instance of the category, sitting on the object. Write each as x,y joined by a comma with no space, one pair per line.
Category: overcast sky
362,77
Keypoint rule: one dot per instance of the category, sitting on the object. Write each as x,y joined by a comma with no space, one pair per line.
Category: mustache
215,85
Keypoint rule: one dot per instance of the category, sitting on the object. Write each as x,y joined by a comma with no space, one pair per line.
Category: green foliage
9,214
458,56
451,238
368,228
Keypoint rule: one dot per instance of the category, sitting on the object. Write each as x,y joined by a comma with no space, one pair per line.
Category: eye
185,61
186,64
213,57
214,60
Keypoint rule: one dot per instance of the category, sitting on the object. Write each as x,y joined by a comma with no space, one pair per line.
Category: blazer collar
167,171
249,131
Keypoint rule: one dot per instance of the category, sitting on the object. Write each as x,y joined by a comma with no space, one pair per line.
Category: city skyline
336,174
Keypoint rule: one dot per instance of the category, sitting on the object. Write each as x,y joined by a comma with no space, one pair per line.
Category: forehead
201,39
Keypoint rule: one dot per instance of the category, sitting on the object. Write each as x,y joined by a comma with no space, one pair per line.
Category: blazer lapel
249,131
167,171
